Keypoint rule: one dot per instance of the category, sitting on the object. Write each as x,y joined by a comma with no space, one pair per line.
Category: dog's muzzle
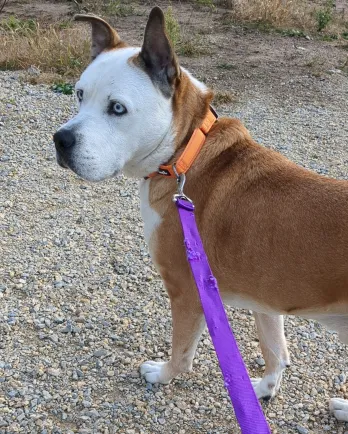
64,140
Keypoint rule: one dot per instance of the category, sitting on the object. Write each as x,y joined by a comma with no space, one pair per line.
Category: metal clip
180,179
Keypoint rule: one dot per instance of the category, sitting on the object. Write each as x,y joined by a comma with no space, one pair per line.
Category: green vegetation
65,88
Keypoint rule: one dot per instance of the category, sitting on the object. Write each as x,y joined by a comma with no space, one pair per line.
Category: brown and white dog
276,235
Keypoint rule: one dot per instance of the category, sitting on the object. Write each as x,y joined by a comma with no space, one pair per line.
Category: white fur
136,142
150,217
155,372
338,323
241,302
339,408
267,386
201,86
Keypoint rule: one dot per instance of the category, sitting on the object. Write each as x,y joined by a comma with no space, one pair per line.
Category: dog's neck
190,104
162,152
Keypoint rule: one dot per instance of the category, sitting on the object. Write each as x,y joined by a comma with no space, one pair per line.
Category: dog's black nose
64,138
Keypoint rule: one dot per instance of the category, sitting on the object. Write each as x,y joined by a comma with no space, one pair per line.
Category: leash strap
246,405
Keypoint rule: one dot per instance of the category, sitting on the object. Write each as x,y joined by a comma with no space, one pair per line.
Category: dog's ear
157,54
104,37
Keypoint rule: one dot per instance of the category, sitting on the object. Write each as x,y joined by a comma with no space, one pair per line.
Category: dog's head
125,97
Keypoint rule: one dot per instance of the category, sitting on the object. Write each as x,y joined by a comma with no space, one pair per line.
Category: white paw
339,408
155,372
266,387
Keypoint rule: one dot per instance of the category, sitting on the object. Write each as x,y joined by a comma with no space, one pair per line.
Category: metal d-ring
180,179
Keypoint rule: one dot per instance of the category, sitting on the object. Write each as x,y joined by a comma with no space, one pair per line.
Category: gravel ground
82,306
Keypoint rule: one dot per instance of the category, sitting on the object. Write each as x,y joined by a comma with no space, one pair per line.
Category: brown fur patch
104,37
190,106
120,44
274,233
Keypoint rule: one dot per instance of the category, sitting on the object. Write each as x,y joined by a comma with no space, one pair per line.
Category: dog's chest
150,217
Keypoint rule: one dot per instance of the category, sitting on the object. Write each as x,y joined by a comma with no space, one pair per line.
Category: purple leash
245,403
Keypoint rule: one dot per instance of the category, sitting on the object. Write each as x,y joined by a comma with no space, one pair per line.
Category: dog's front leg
188,325
273,345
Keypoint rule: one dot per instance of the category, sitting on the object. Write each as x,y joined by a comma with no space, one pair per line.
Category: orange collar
191,150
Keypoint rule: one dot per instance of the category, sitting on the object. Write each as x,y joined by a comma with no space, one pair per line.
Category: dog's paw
266,387
339,408
155,372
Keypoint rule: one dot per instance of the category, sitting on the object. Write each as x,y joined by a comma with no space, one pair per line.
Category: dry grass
112,8
316,66
307,16
279,13
53,50
184,41
64,48
173,28
222,97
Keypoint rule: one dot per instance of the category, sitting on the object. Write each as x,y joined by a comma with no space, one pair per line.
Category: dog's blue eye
79,94
119,109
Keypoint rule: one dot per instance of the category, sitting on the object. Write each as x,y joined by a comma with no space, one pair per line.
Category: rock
93,413
260,361
100,353
67,329
3,423
342,378
302,430
33,70
54,372
46,395
54,338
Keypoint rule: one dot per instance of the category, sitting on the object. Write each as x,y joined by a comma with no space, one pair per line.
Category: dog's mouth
83,172
61,162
